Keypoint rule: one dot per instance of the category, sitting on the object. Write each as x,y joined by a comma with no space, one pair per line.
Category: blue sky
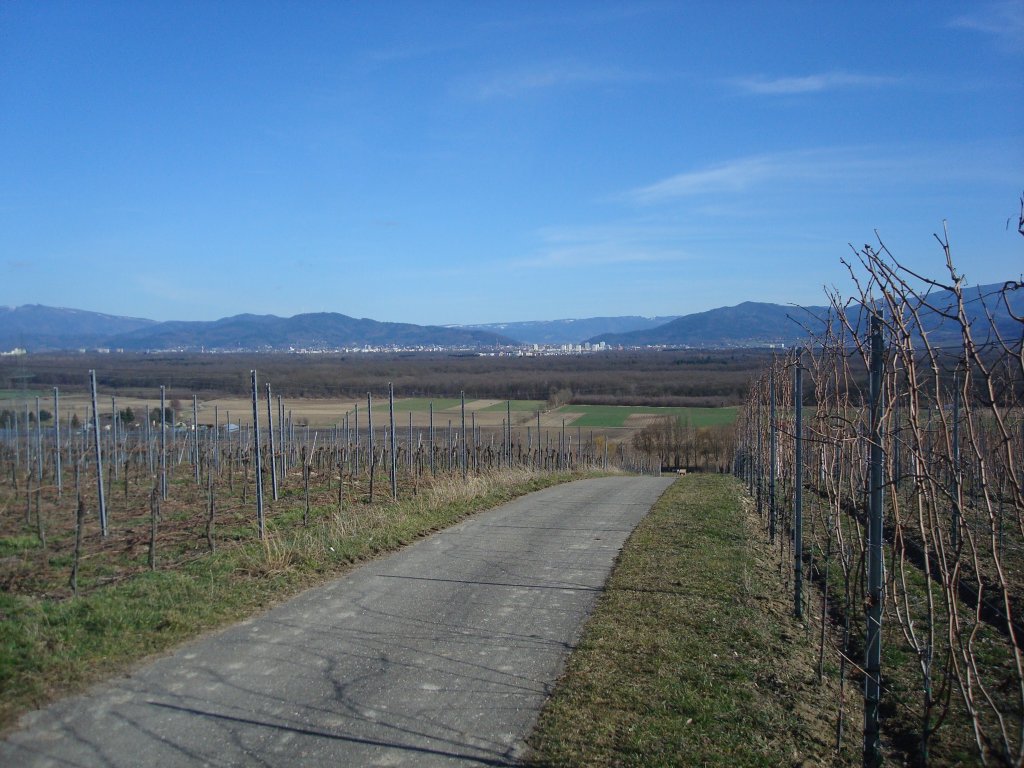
481,162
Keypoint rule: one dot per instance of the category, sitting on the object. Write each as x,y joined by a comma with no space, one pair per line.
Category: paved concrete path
441,654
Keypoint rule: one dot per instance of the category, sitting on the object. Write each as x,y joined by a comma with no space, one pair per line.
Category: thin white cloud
404,53
815,83
558,75
633,232
734,175
596,255
583,15
748,172
1004,21
966,163
601,246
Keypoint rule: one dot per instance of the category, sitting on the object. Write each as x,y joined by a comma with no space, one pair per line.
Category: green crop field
608,416
518,406
417,404
616,415
21,394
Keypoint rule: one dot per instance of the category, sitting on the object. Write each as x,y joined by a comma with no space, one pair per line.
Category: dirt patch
641,420
478,405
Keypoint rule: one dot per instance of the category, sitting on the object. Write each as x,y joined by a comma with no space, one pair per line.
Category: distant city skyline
469,163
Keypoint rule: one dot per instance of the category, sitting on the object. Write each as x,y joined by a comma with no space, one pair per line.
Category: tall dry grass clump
360,531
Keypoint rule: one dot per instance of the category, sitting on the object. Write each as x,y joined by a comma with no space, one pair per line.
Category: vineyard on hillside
89,504
889,468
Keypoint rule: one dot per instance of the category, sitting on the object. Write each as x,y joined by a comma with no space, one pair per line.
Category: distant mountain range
38,328
754,324
748,324
570,331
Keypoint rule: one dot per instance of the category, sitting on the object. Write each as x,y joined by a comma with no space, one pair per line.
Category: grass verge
692,657
50,648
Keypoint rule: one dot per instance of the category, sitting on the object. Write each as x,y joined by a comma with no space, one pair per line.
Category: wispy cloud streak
836,167
519,82
584,15
749,172
814,83
1004,21
564,247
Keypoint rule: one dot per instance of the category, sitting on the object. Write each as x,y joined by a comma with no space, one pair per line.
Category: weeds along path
441,654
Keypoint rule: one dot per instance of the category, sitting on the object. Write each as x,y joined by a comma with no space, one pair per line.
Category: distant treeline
676,378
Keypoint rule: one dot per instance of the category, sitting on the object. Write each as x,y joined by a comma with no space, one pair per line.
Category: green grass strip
690,657
518,406
616,415
21,394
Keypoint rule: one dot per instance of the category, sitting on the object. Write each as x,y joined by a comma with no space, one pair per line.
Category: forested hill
746,325
321,330
753,324
570,331
38,329
750,324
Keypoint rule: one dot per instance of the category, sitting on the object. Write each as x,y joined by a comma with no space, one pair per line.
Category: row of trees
676,443
10,418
